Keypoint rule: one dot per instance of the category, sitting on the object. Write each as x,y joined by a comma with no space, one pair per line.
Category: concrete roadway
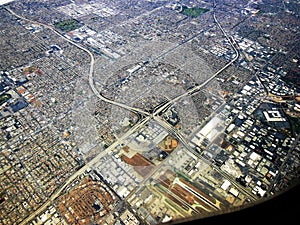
148,117
92,62
82,169
175,132
199,87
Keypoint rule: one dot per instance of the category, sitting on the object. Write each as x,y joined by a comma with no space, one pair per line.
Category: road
91,70
84,168
173,131
199,87
244,190
141,123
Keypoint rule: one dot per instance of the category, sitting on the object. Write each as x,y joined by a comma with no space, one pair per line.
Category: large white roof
2,2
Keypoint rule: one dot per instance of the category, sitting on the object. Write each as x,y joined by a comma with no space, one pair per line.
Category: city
146,112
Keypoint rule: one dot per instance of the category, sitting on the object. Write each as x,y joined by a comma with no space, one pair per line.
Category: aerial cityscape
146,111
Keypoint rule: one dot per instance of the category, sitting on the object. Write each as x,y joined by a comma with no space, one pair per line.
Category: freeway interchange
155,115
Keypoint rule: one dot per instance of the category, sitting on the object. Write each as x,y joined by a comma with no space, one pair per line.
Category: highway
84,168
241,188
181,139
199,87
173,131
96,92
92,62
148,116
